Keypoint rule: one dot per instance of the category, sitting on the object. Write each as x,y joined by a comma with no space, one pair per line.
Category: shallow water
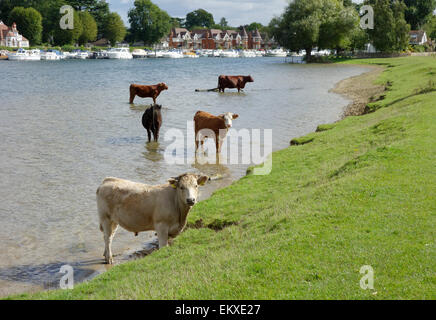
67,125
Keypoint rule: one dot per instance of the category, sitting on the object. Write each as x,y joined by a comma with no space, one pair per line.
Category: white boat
172,54
229,54
50,55
139,54
25,55
82,55
119,53
217,53
206,53
260,53
276,53
247,54
155,54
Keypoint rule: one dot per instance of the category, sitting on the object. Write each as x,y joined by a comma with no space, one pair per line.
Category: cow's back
131,205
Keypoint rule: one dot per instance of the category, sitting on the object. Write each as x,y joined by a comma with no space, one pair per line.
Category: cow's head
157,106
187,187
228,117
249,79
162,86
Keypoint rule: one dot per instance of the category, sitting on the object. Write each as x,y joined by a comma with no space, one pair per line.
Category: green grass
361,193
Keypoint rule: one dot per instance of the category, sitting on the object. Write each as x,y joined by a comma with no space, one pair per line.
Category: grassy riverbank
361,192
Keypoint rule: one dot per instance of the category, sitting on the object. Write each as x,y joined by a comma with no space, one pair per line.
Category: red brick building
181,38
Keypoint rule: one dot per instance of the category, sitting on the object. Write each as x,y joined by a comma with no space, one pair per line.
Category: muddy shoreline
361,90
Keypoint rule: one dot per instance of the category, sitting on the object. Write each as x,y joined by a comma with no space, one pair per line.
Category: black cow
152,121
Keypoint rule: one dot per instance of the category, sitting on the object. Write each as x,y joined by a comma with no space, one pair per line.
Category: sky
237,12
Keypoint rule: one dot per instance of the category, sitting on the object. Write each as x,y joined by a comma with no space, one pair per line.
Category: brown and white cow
146,91
139,207
232,82
209,126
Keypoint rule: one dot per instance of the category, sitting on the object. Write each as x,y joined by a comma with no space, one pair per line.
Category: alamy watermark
230,146
367,17
367,281
67,280
67,20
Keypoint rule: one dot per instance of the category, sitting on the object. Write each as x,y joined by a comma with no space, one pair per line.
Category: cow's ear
201,180
235,116
173,182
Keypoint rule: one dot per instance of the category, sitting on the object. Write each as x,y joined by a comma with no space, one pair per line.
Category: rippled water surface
67,125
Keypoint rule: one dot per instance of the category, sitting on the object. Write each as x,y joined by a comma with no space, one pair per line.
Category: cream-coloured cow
139,207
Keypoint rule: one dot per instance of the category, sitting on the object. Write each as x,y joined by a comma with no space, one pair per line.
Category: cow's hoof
110,260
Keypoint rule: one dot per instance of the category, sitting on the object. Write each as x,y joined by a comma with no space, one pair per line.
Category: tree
306,24
430,28
223,23
89,28
391,31
419,12
199,18
71,37
254,26
29,23
177,22
49,10
98,8
148,22
114,29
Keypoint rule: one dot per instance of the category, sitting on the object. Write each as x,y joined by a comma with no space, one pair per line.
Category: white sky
237,12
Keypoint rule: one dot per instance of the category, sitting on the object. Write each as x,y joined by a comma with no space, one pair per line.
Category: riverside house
182,38
418,37
10,37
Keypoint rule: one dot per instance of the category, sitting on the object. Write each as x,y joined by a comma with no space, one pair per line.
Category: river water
66,125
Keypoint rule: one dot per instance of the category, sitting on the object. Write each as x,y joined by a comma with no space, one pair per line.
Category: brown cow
231,82
216,125
146,91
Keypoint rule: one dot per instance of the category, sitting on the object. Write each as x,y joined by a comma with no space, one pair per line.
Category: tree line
305,24
38,21
335,24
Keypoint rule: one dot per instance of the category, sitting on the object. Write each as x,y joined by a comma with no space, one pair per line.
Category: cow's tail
206,90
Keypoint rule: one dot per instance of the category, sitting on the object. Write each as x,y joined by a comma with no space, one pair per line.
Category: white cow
139,207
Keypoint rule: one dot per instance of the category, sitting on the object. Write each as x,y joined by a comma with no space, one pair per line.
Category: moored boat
229,54
175,54
4,55
25,55
276,53
119,53
51,55
139,54
190,55
247,54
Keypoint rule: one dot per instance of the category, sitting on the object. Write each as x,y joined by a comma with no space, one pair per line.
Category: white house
418,37
9,37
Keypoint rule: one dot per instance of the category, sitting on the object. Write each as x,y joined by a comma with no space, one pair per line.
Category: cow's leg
149,135
132,96
109,229
156,135
217,144
162,234
154,100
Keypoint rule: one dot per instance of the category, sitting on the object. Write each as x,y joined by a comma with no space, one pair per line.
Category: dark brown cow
232,82
209,126
152,121
146,91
